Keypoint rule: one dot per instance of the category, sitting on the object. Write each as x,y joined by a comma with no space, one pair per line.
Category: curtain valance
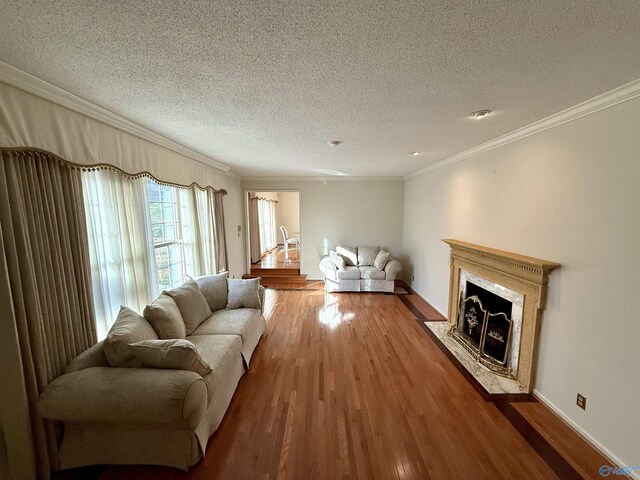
28,120
264,199
30,152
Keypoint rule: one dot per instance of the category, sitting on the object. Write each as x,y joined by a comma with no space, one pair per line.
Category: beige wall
358,212
569,194
288,213
233,214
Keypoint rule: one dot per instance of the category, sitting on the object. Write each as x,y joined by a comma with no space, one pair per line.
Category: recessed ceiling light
415,154
479,114
335,143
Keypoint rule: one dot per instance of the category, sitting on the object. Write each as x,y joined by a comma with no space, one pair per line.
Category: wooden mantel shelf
531,268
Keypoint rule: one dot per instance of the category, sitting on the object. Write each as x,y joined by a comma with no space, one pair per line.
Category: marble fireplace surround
525,275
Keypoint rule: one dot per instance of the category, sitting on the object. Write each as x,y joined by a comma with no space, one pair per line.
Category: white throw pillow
175,354
381,259
243,293
350,255
338,260
129,327
191,303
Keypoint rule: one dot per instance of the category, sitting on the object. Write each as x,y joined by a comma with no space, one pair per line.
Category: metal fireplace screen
471,322
484,334
496,338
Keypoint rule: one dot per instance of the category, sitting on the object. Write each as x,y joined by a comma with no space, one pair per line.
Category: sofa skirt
363,285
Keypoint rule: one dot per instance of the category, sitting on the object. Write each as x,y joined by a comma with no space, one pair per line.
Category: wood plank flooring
349,386
277,259
278,270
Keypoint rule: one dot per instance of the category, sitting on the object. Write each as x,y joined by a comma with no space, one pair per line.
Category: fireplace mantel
520,273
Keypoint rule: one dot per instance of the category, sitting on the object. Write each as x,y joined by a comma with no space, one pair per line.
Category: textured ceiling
264,86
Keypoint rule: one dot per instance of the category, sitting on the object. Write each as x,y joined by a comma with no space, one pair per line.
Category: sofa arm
328,267
107,394
261,292
392,269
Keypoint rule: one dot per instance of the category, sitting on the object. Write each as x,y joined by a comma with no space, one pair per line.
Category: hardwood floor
279,270
349,386
278,259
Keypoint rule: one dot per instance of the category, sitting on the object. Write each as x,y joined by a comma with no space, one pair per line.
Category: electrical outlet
413,278
581,401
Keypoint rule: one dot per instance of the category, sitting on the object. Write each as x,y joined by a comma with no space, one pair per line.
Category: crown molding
25,81
608,99
341,178
233,175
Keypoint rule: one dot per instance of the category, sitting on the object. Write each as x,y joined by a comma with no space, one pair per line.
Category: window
165,214
144,237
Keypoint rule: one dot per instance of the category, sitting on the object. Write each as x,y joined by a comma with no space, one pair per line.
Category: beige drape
220,233
47,262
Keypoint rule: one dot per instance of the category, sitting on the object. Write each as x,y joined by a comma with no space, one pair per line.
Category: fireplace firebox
484,327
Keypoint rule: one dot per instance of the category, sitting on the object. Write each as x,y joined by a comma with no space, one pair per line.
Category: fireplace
485,326
496,300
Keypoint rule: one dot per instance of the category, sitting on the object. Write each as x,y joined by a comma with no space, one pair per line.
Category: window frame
178,236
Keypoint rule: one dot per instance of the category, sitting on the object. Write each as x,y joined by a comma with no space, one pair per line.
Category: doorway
274,239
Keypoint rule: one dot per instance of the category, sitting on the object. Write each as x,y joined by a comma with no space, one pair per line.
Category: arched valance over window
26,119
39,154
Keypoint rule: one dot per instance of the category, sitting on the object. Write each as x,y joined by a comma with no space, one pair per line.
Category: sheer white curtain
198,234
267,220
254,229
120,245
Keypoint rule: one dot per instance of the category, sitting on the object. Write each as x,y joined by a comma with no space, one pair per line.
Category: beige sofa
153,415
359,269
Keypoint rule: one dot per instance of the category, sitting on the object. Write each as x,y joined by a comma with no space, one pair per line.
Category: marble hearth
517,278
491,382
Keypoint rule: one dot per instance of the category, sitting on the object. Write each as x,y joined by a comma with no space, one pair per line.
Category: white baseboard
583,433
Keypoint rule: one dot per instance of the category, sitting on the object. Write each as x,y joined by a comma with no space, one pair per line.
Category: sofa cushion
165,317
177,354
371,273
350,255
367,255
349,273
222,353
129,327
191,303
381,259
337,259
243,293
214,289
246,322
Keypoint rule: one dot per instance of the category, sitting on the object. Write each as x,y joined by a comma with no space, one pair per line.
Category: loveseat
359,269
158,386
